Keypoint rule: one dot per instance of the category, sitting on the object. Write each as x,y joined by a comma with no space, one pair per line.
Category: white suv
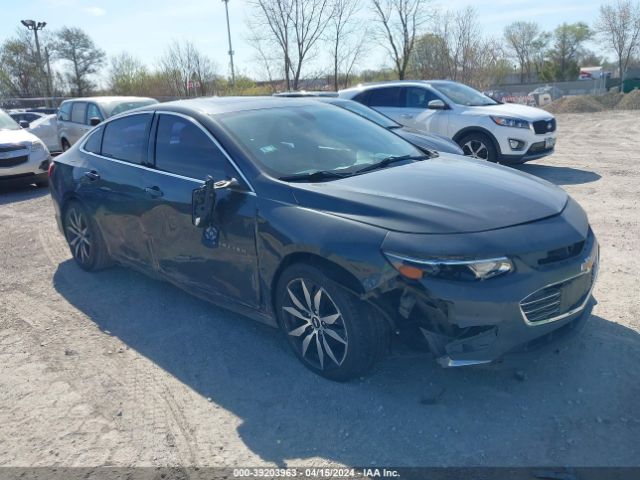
483,127
23,156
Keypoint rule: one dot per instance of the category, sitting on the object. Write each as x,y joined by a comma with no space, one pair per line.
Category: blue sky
144,28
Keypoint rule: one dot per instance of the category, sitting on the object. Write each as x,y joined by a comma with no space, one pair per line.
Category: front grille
11,147
13,161
544,126
557,299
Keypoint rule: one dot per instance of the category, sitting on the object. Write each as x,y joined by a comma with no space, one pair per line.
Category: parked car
25,116
23,156
76,117
484,128
420,139
335,230
46,129
306,93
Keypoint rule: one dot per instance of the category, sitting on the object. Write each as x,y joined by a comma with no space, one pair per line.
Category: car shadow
559,175
11,192
408,411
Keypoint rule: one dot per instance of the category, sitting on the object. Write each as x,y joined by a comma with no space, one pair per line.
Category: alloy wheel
79,236
476,149
315,325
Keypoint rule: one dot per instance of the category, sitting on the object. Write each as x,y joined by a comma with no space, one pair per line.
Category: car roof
216,105
108,100
398,83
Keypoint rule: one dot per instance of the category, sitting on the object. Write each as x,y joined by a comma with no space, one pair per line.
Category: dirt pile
596,103
631,101
576,104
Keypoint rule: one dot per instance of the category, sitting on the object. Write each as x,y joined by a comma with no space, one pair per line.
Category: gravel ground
117,369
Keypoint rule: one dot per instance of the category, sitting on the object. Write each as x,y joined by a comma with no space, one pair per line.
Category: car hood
16,136
432,141
512,110
448,194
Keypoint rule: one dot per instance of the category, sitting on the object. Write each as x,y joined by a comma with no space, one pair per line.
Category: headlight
37,146
511,122
450,269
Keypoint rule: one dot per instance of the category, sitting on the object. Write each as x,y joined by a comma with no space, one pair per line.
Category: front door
220,260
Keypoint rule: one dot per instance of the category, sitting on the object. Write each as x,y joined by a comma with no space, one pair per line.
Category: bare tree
346,37
20,75
398,24
187,71
76,47
294,27
619,27
128,76
521,38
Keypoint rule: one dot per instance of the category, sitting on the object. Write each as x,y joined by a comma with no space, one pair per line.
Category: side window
94,141
126,138
78,112
417,97
184,149
64,113
385,97
93,111
362,97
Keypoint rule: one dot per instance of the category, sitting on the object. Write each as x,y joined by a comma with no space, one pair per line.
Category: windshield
126,106
319,138
7,123
369,114
463,95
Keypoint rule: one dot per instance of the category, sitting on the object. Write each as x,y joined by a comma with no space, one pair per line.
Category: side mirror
203,200
93,121
24,124
436,105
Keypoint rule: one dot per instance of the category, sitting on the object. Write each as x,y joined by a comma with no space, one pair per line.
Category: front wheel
84,239
479,146
332,332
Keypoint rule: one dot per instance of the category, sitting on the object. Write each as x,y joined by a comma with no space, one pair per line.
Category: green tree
567,49
19,72
76,47
128,76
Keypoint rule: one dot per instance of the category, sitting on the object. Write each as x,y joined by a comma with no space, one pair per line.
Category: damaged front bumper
547,297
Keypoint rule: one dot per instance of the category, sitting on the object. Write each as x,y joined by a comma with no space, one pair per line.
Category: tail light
51,167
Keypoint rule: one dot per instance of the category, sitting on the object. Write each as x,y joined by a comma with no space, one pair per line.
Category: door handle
92,175
154,191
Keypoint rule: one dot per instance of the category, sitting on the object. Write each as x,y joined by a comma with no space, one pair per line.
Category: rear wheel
332,332
84,239
480,146
64,143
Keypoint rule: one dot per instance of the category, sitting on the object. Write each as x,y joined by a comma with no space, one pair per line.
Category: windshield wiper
389,160
313,176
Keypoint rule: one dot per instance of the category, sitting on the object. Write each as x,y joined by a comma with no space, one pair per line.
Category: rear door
112,185
185,153
388,100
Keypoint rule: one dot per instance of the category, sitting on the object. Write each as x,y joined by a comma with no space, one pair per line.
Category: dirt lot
117,369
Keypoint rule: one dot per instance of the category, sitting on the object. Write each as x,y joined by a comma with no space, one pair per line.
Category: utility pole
233,73
35,26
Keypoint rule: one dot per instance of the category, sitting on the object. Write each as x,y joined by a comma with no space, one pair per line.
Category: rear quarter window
64,113
94,142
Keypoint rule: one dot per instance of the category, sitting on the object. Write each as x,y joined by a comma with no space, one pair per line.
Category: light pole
35,26
233,73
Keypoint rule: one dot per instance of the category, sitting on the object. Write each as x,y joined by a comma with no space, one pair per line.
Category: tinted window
78,112
93,111
385,97
418,97
126,138
184,149
65,112
94,141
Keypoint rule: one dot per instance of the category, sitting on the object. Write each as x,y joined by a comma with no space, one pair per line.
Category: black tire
365,332
64,143
476,144
42,182
84,239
